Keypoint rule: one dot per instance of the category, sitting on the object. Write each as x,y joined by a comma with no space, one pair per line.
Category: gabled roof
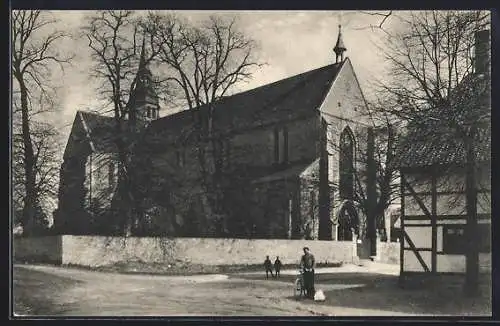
435,142
290,97
100,131
419,149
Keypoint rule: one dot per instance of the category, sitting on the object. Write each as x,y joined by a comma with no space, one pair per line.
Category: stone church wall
249,153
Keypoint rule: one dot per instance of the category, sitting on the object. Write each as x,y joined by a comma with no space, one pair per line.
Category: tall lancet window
281,145
346,164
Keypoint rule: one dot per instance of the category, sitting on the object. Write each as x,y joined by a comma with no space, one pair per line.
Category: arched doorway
348,221
346,164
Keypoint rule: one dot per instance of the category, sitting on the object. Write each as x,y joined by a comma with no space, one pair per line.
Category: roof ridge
284,79
305,73
93,113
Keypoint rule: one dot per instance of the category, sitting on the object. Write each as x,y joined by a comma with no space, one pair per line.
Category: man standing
269,267
277,266
307,264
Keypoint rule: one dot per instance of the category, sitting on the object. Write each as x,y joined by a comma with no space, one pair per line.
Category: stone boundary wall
46,249
96,251
388,252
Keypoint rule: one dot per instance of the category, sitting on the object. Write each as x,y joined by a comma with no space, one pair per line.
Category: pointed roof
339,46
99,130
292,96
143,66
143,54
144,92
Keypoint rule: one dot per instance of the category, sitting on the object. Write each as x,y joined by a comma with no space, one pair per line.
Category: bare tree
381,19
34,53
204,63
113,39
380,157
436,86
429,59
46,150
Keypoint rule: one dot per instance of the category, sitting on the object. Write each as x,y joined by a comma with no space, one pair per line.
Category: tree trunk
29,165
129,197
371,193
471,286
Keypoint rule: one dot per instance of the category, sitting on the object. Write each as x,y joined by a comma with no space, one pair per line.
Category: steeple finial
339,48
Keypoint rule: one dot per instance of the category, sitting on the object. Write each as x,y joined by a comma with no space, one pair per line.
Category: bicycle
299,289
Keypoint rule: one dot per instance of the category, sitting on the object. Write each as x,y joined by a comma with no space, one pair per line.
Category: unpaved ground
350,291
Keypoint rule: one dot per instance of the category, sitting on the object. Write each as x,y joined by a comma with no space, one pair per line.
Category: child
277,266
269,267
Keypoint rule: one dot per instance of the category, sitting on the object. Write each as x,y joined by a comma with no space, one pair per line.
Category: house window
346,164
454,242
281,145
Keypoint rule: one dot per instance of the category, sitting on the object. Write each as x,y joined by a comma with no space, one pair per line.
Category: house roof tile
433,141
424,147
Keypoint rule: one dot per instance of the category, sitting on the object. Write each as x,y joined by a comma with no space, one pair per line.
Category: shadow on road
327,278
377,292
73,292
37,292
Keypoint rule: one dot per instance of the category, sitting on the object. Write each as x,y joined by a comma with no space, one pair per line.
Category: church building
292,161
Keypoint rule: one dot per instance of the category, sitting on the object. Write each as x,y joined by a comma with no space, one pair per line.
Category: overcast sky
290,42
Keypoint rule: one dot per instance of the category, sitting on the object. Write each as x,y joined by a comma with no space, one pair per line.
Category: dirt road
46,290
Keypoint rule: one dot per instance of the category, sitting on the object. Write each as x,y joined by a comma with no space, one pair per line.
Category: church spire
142,61
339,48
143,103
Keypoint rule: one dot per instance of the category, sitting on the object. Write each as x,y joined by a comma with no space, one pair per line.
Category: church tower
339,48
143,105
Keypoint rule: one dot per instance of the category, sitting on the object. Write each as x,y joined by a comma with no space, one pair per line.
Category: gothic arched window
346,164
